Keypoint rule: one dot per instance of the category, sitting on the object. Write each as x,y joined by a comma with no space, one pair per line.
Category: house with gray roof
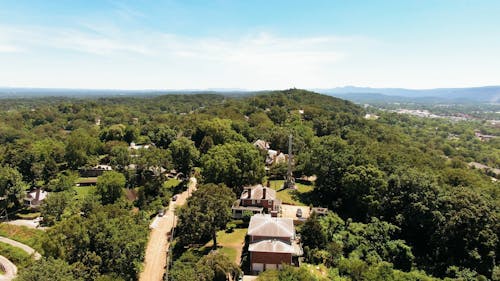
272,243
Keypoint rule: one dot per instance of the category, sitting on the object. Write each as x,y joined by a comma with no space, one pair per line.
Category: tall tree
235,164
206,212
12,187
184,154
53,207
110,186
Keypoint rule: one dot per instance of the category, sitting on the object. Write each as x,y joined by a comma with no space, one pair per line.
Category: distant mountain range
489,94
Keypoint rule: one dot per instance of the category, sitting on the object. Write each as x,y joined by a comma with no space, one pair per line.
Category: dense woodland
404,203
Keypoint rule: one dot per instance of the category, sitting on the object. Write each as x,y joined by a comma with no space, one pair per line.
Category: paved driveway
290,211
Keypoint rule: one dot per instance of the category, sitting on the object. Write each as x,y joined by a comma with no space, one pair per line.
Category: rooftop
265,225
273,246
257,192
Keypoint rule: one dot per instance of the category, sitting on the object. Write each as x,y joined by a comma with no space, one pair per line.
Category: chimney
264,189
37,194
249,192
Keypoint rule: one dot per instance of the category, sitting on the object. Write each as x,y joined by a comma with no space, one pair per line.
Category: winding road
21,246
156,252
7,266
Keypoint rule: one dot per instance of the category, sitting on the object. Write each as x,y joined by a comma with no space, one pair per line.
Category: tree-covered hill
404,201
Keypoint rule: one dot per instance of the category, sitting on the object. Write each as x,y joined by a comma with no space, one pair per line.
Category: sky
249,44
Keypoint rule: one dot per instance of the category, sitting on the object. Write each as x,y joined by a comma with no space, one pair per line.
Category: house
87,181
275,157
134,146
272,242
258,199
35,198
482,137
94,171
261,144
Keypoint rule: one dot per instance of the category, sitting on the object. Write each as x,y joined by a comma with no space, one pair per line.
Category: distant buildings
482,137
94,171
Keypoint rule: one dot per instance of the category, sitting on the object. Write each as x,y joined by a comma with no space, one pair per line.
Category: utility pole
290,181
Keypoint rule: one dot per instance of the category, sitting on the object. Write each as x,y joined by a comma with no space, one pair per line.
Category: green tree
63,182
235,164
222,267
312,233
49,270
109,240
219,130
120,157
184,154
53,207
12,187
80,146
110,186
206,212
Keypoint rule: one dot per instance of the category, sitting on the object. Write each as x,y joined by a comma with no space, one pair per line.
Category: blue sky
154,44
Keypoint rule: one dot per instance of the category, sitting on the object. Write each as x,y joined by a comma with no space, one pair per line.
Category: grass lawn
289,196
17,256
29,236
229,243
171,183
83,191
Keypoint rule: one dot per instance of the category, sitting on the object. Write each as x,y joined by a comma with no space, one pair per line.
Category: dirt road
156,251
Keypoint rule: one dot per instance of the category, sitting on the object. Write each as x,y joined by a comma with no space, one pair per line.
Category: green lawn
171,183
17,256
83,191
294,197
29,236
231,253
229,242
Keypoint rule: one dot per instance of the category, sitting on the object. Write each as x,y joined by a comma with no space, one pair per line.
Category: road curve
9,268
21,246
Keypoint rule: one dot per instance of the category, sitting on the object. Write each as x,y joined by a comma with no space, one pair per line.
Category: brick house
272,242
258,199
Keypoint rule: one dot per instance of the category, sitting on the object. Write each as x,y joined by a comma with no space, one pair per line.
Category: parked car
299,213
161,213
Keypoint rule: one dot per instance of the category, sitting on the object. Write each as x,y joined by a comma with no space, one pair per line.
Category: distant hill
490,94
6,92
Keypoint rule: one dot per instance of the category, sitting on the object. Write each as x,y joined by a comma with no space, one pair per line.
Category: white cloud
260,60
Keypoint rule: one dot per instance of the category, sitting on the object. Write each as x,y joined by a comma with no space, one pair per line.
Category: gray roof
257,192
265,225
272,246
